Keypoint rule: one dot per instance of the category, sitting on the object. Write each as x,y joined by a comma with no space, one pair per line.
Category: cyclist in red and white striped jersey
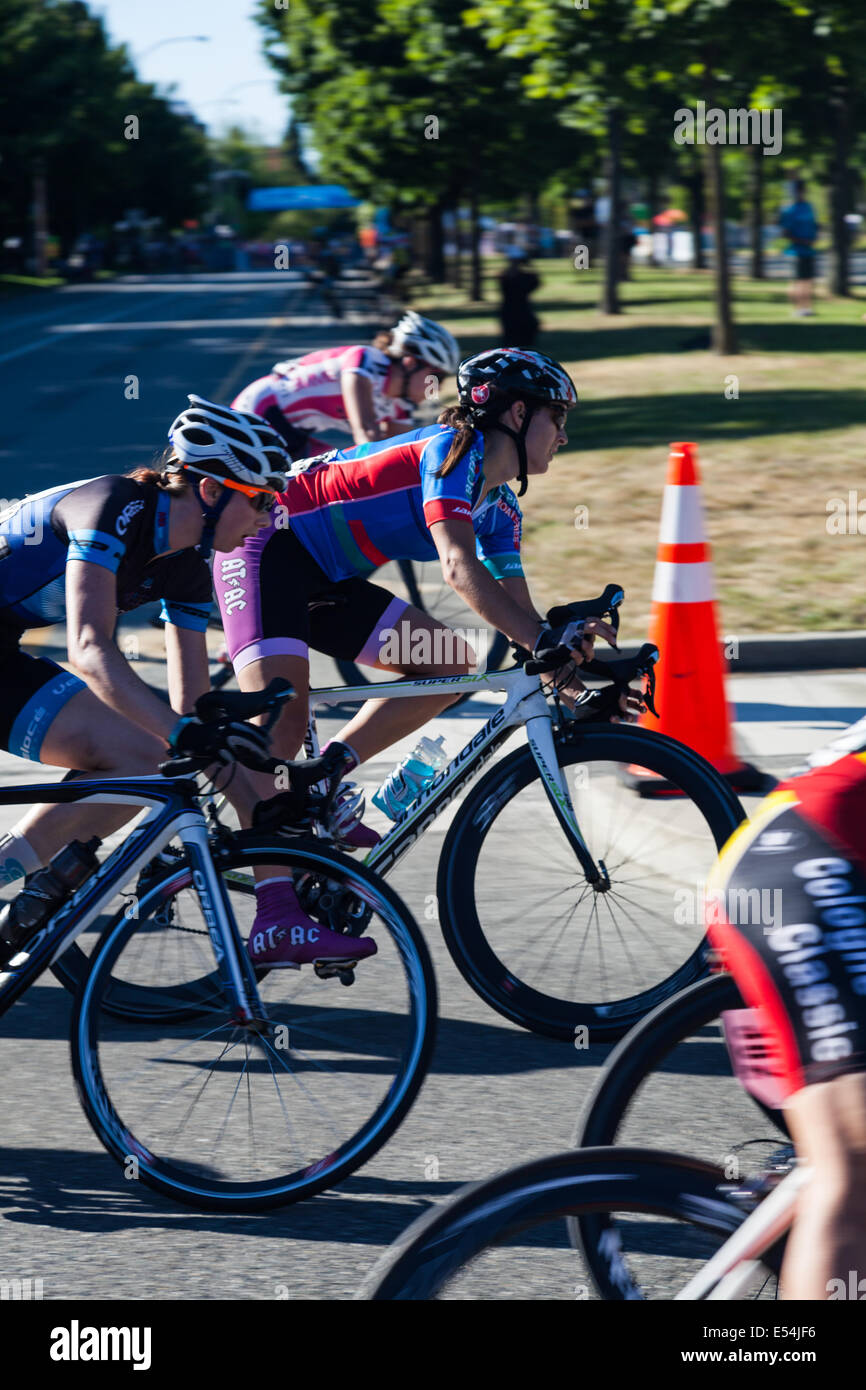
365,392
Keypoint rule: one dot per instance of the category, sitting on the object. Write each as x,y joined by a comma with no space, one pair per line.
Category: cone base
744,778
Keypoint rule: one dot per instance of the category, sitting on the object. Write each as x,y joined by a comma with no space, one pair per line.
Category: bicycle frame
727,1273
173,812
525,704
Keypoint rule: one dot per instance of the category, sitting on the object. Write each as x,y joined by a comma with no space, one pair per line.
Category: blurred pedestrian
517,316
799,224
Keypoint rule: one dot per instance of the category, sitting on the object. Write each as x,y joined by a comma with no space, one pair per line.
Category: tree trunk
40,218
609,299
697,209
435,260
455,264
724,336
756,215
477,286
652,202
840,194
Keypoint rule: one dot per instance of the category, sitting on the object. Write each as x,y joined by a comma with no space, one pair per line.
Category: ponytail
459,419
383,341
174,483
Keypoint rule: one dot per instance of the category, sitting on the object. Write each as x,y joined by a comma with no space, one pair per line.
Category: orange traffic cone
690,690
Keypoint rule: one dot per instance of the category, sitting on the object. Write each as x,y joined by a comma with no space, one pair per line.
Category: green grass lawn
772,456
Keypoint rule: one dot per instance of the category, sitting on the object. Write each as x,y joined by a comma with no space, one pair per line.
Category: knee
137,756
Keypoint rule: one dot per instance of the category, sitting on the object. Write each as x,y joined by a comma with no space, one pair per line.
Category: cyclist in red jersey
365,392
805,974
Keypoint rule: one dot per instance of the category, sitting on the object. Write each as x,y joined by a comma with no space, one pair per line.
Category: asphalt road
495,1094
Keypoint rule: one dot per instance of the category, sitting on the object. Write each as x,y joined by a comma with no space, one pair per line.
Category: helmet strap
211,515
519,437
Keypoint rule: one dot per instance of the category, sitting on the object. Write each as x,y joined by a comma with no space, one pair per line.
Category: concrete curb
791,651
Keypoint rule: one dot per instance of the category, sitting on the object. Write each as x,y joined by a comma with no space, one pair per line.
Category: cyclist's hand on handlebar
596,627
577,636
223,741
632,704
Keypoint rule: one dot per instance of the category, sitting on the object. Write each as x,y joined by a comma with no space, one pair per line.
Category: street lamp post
181,38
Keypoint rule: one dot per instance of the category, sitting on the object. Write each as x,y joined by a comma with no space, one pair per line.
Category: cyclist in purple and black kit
435,493
86,551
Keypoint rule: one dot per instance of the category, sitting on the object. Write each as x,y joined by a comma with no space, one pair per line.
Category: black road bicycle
223,1086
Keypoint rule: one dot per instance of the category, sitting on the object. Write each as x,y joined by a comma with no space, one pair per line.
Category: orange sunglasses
262,499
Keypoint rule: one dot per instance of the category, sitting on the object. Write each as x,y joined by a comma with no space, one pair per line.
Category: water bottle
410,777
44,892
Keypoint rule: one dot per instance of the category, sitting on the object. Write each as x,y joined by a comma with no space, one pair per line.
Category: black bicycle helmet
491,381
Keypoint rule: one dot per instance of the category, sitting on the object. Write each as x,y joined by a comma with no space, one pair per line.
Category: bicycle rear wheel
225,1116
526,930
505,1237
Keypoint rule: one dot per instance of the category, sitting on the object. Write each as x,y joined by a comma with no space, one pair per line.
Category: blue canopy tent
317,195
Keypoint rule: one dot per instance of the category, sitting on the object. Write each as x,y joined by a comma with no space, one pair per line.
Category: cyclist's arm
187,665
517,588
360,409
91,614
500,606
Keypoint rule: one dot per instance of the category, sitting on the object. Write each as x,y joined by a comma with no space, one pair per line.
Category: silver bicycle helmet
218,442
426,339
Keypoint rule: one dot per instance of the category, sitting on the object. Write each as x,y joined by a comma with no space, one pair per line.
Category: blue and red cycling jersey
355,509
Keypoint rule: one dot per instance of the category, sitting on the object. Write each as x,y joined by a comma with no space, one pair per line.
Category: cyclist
437,492
86,551
366,392
806,976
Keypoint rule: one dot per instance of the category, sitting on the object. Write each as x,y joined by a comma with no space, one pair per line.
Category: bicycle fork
539,734
233,964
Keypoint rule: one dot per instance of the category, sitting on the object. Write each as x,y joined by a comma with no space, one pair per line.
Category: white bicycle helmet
426,339
218,442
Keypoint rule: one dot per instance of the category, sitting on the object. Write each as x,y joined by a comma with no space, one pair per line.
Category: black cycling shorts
282,602
33,690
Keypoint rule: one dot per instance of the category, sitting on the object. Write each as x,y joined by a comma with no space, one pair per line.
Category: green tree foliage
407,106
65,96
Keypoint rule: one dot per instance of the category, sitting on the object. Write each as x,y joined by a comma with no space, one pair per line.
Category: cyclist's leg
50,717
399,638
828,1126
805,972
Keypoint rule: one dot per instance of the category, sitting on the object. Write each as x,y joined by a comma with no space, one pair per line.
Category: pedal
344,970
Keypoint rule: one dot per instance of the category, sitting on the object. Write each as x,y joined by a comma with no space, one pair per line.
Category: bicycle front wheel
226,1116
505,1238
670,1081
531,936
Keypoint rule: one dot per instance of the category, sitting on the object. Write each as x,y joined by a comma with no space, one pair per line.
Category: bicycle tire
642,1052
445,1240
100,1048
467,938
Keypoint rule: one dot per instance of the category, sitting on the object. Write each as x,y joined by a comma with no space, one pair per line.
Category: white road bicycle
567,901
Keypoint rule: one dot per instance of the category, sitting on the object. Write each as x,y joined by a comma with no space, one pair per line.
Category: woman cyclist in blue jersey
439,492
86,551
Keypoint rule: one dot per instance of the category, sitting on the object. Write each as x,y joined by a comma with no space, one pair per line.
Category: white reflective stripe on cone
683,583
682,516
